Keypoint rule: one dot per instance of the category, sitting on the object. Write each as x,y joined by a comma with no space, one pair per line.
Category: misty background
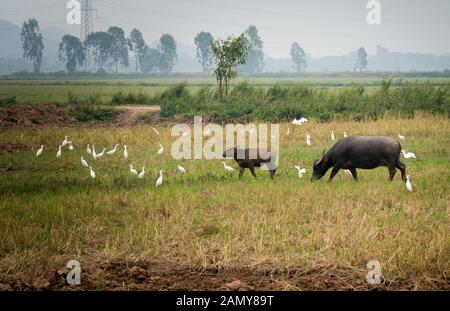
413,34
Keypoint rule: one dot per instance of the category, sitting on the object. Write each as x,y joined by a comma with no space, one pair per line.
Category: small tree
32,43
361,59
101,43
298,57
150,60
136,44
228,54
71,52
203,42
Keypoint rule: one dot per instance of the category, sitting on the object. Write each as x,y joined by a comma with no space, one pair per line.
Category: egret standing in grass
39,152
65,141
408,155
142,173
111,152
133,170
91,172
161,149
308,140
84,162
181,169
94,154
345,134
58,154
332,136
88,149
301,171
401,137
125,151
159,181
101,154
70,147
288,131
408,184
227,168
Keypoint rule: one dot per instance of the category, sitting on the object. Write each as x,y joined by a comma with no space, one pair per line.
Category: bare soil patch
130,115
34,115
170,277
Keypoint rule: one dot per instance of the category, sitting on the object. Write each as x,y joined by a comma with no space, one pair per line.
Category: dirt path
131,113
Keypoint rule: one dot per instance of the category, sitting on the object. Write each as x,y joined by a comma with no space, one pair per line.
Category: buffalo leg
354,174
334,172
241,172
272,172
402,168
252,170
392,172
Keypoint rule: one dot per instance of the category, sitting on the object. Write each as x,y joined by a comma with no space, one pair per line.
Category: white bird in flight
227,168
111,152
84,162
58,154
181,169
408,184
408,155
332,136
401,137
142,173
39,152
159,181
125,151
161,149
92,173
133,170
301,171
88,149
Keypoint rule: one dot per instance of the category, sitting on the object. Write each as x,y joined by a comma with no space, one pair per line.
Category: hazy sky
322,27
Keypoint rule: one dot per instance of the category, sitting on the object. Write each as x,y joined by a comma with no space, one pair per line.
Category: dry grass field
206,229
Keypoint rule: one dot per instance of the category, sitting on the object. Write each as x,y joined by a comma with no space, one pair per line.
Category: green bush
8,101
85,113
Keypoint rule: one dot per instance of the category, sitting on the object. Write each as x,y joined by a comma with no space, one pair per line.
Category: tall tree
32,43
119,47
255,58
168,49
151,60
361,59
298,57
71,52
100,42
136,44
203,41
228,54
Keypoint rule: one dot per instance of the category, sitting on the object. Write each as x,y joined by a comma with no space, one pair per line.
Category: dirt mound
34,115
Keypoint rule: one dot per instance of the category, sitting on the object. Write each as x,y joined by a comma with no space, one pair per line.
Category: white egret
84,162
111,152
161,149
401,137
133,170
333,138
156,131
308,140
70,147
58,154
159,181
101,154
88,149
91,171
65,141
142,173
181,169
227,168
125,151
408,155
301,171
288,131
408,184
345,134
39,152
94,154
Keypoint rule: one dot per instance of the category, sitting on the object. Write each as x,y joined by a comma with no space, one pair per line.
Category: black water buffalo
365,152
251,158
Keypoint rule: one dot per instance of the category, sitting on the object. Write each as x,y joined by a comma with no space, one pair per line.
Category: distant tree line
112,48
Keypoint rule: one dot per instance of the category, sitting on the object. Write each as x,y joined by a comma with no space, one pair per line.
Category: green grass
52,211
